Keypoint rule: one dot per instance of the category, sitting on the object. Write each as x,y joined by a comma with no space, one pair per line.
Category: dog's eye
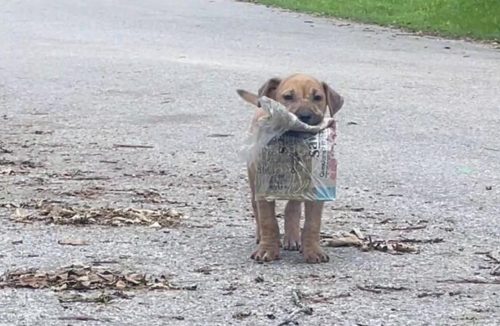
288,97
318,97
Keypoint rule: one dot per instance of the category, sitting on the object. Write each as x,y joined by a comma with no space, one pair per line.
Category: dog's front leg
311,249
269,246
293,210
251,180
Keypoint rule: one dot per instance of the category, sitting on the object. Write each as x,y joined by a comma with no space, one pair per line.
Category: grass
476,19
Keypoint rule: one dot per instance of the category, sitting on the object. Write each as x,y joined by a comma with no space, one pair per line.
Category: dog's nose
304,117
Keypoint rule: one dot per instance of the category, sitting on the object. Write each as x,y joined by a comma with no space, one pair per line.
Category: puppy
309,100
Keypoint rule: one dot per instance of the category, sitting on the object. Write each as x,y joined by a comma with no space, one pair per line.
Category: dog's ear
249,97
333,99
269,88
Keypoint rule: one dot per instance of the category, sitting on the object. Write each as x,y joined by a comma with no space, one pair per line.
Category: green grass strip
476,19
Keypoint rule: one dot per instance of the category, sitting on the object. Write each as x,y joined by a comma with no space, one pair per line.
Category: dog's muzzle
308,115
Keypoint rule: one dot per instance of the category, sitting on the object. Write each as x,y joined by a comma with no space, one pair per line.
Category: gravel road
418,151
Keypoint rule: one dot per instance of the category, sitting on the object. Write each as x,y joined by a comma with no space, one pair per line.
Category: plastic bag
293,160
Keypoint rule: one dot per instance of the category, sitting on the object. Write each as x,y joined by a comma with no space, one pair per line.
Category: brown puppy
308,99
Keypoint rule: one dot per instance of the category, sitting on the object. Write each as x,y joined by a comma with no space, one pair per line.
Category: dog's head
302,95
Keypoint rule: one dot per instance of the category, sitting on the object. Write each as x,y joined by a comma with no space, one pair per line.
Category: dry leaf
135,278
57,214
356,239
345,241
21,213
155,225
121,285
357,233
77,277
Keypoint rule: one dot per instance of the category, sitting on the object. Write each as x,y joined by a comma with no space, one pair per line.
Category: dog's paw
315,254
291,242
266,253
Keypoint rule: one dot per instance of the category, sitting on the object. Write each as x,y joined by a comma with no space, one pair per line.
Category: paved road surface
77,77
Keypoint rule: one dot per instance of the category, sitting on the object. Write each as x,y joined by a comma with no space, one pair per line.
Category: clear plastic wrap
293,160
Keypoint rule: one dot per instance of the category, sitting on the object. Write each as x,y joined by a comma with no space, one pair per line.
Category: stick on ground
296,299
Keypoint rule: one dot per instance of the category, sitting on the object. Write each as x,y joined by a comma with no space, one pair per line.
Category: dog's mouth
306,113
309,118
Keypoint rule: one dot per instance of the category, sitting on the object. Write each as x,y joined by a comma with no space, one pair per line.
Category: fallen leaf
78,277
345,241
21,213
120,285
135,278
155,225
66,214
356,239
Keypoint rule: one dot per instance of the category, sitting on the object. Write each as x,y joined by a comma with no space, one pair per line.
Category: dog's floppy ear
269,88
249,97
333,99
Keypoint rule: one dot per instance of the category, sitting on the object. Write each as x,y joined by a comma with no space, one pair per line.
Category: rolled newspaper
294,160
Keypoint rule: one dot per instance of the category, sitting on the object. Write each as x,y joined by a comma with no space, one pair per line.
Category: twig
409,228
407,240
368,289
296,296
220,135
81,318
430,294
380,288
491,149
352,209
470,281
495,259
132,146
97,178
